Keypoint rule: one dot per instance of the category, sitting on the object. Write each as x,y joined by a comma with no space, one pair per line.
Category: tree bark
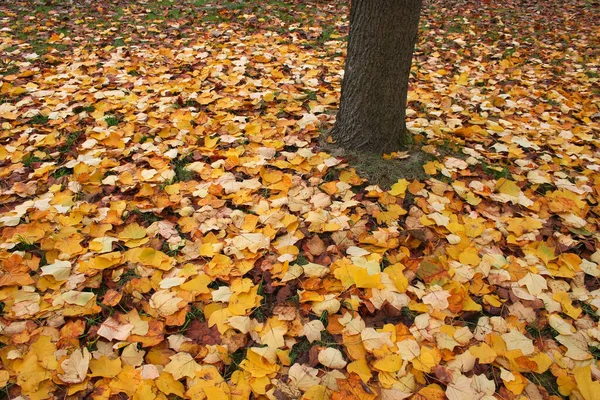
375,85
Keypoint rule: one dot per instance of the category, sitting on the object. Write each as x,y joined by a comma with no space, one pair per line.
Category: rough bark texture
375,85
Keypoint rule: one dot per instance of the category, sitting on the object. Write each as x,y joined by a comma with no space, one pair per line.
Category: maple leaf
190,194
182,365
304,377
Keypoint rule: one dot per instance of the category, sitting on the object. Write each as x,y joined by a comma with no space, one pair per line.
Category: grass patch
70,141
23,244
181,173
127,276
29,160
112,120
265,310
496,171
301,260
39,119
13,69
547,381
325,35
455,28
62,171
595,351
194,314
538,331
87,109
385,173
589,310
299,348
236,359
148,218
118,42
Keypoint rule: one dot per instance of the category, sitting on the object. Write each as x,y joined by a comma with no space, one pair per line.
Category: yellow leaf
240,303
145,391
484,353
492,300
590,390
566,384
516,384
182,365
389,363
431,167
510,188
273,333
470,256
351,274
317,392
199,284
105,367
211,143
361,368
4,377
427,360
257,365
220,318
240,387
543,362
462,79
103,261
350,177
208,383
30,374
393,212
570,262
567,306
127,381
396,274
149,257
60,270
132,231
399,188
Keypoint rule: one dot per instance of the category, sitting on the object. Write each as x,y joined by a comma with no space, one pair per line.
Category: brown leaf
314,245
202,334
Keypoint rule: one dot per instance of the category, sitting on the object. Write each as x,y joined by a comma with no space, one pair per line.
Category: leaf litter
171,229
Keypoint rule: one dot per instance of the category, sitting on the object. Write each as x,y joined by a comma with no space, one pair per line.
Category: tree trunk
375,85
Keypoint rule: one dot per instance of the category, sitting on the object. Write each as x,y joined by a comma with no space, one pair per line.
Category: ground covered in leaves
170,227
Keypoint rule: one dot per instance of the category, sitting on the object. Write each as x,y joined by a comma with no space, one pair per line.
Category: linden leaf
312,330
304,377
332,358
